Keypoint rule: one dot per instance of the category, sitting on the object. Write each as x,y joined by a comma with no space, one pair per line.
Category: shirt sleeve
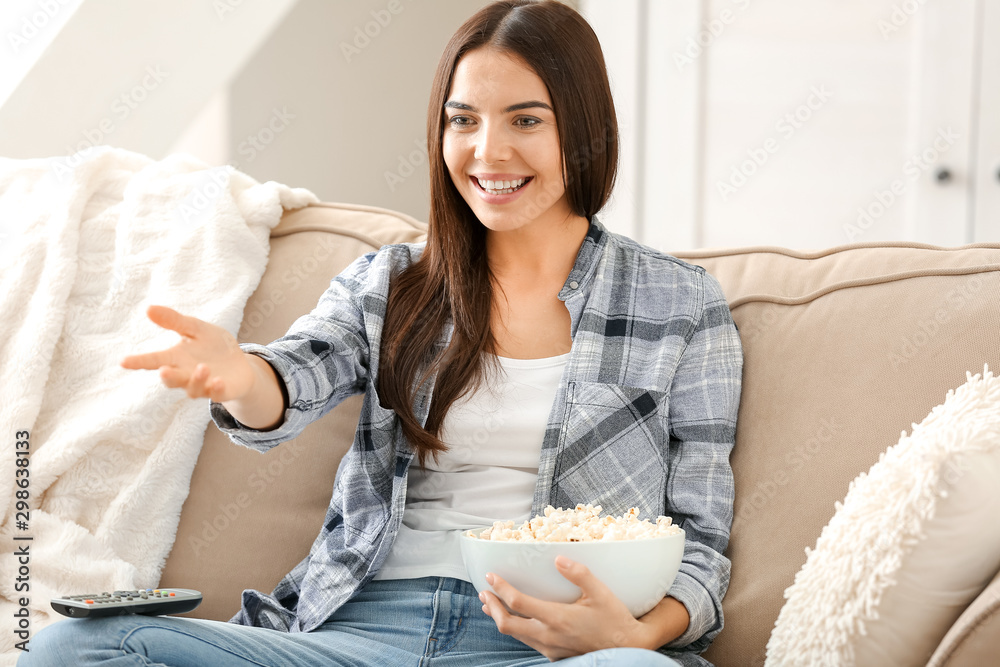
704,401
322,359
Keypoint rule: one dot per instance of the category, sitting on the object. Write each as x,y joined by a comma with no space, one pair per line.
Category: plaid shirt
644,416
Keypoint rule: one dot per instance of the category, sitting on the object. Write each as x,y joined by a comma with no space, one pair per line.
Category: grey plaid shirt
644,416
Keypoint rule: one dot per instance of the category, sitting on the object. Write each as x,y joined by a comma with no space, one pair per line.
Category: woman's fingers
197,384
579,574
149,361
216,389
168,318
199,362
174,377
517,601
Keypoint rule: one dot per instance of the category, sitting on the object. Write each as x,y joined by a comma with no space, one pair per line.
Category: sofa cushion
911,546
251,517
843,350
972,640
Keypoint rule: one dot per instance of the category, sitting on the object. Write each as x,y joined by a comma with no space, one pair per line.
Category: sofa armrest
974,639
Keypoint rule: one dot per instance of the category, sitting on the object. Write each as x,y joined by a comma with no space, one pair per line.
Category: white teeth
501,187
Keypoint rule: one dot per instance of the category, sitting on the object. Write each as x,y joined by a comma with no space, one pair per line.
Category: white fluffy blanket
105,454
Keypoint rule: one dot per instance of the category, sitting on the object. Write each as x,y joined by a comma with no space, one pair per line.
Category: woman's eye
527,122
460,121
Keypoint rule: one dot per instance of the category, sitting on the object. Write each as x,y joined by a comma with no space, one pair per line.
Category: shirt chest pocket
614,448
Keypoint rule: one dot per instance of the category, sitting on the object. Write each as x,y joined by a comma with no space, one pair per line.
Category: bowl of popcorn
637,559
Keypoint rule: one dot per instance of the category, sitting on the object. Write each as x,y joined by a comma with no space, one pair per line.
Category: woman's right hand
206,362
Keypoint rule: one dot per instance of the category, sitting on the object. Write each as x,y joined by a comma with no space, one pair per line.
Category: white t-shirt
488,474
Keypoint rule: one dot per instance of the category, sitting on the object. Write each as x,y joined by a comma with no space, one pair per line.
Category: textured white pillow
916,539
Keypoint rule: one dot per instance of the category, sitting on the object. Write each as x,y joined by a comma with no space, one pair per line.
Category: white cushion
915,540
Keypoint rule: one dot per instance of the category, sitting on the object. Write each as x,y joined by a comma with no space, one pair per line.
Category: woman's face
500,142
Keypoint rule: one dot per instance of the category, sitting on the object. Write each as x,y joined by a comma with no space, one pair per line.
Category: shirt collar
586,260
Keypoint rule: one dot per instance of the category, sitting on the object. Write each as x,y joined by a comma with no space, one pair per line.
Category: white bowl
638,572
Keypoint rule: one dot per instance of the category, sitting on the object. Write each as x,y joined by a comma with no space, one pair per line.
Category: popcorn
583,524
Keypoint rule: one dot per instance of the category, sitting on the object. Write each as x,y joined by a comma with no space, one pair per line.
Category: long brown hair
451,282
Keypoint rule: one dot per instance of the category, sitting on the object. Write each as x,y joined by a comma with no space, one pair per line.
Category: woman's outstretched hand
206,362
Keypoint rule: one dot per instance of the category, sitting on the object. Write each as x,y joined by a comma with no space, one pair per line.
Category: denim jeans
433,621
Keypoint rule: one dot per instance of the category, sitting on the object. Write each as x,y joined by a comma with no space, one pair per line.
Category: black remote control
152,601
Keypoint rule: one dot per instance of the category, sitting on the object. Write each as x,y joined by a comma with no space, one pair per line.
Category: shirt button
573,284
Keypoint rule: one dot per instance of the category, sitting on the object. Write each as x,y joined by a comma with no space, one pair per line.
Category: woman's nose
492,145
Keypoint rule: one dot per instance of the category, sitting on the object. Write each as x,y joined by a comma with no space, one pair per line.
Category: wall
332,96
356,104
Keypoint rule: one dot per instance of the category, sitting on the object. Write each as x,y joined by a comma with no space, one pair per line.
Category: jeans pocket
614,448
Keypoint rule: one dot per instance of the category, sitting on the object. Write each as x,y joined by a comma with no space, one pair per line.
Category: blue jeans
434,621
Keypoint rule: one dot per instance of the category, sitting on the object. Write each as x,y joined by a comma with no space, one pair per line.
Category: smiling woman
523,356
502,134
492,117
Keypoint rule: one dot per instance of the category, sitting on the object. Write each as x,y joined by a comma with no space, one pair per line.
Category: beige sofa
844,349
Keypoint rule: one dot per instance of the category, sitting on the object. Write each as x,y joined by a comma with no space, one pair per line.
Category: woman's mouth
501,187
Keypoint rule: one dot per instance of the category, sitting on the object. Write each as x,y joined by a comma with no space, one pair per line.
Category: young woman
606,372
